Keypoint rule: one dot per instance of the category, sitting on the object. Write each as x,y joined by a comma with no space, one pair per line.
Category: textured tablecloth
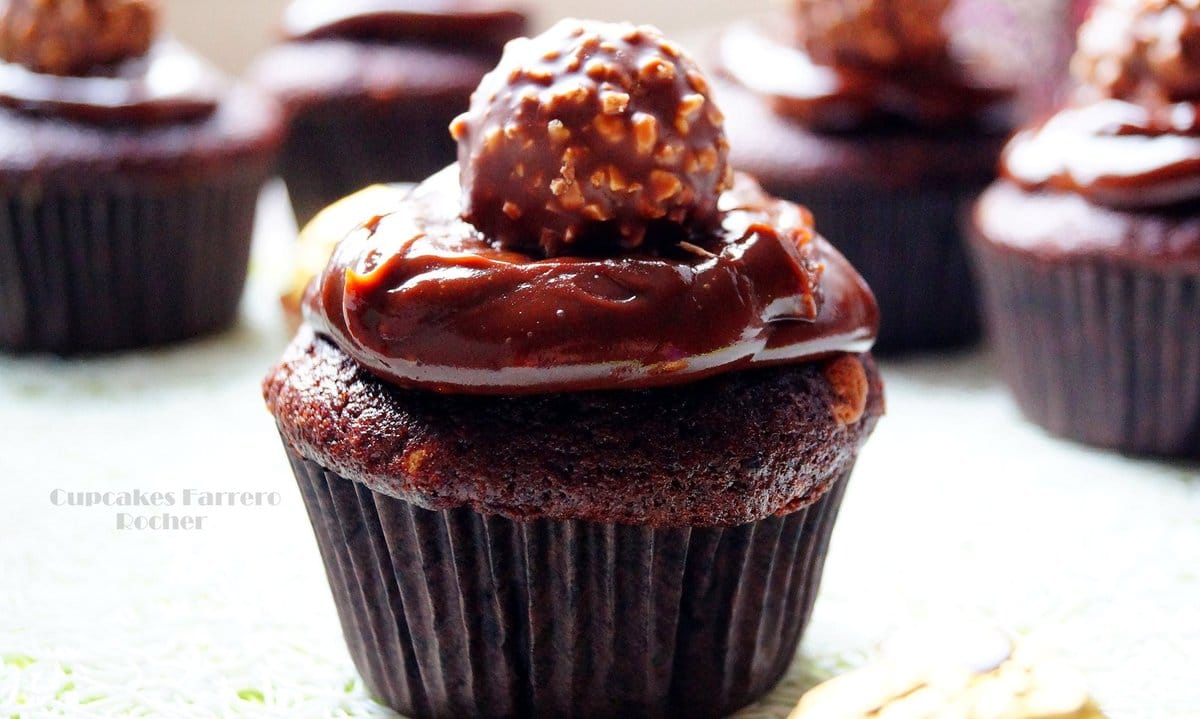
959,510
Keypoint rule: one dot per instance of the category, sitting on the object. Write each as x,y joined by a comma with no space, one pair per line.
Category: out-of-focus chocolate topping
839,97
423,299
75,37
584,136
1132,137
843,64
481,24
873,33
97,61
169,84
593,237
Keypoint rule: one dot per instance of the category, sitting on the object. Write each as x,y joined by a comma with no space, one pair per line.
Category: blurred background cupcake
1089,246
885,117
130,171
370,86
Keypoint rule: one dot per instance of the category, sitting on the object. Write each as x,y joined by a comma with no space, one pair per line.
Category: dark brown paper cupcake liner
908,246
122,265
336,150
1100,353
459,614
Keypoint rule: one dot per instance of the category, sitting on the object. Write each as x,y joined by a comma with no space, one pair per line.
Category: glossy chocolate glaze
761,56
1112,152
168,84
422,299
463,23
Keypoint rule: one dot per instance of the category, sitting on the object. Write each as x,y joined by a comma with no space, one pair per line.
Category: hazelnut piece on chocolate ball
74,37
587,134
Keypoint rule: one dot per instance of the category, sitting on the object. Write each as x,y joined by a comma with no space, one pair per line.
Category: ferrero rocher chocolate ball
880,33
587,134
74,37
1141,50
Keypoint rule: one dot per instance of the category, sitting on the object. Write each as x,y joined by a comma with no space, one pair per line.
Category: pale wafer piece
315,244
972,674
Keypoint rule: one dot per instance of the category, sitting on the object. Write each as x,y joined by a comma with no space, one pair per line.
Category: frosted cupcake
573,422
130,172
1089,246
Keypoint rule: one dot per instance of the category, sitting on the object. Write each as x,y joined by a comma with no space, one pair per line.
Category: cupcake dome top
75,37
1141,50
587,133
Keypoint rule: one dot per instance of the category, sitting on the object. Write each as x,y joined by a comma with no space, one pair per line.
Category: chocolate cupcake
574,420
370,86
868,114
1089,245
130,172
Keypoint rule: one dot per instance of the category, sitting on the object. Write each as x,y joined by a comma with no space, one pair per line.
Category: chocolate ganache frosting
472,23
618,257
841,64
1131,137
100,61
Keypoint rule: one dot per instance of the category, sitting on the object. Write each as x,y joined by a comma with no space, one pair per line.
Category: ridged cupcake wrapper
1099,353
458,614
122,265
391,142
908,246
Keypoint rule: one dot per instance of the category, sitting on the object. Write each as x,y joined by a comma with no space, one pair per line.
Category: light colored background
959,509
232,31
